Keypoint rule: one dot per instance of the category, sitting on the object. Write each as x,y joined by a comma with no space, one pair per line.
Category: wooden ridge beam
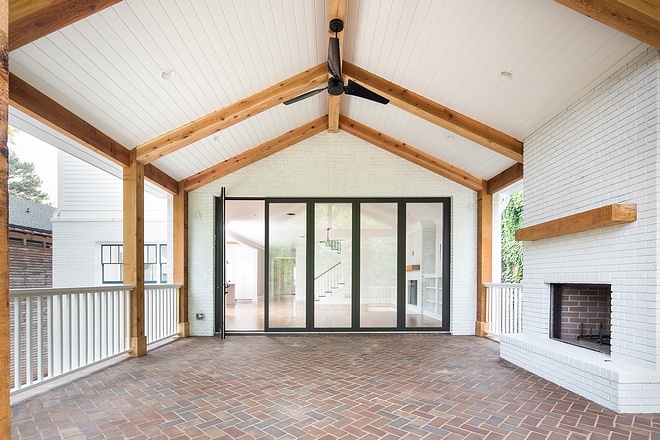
232,114
32,102
33,19
256,154
639,19
409,153
584,221
511,175
336,9
438,114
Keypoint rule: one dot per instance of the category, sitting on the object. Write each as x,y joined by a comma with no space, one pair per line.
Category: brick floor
321,387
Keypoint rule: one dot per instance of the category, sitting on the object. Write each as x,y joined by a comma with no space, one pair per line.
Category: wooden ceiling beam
411,154
30,20
438,114
639,19
507,177
232,114
255,154
32,102
336,9
161,178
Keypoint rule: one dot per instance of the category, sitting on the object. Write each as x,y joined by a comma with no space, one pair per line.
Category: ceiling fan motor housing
335,87
336,25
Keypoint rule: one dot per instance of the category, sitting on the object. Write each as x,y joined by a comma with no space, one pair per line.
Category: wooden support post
180,256
484,254
134,250
5,412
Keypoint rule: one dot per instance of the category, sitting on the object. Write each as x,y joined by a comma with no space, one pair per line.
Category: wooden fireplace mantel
594,218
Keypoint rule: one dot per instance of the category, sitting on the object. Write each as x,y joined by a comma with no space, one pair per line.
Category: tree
23,181
512,250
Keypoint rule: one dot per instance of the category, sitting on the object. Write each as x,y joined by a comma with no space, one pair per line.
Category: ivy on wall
512,250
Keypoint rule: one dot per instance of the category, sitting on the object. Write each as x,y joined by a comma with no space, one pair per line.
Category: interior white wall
334,165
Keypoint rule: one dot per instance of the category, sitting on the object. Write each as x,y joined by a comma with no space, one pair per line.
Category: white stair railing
58,331
161,311
503,308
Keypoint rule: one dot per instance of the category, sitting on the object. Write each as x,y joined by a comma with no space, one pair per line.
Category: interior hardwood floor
245,315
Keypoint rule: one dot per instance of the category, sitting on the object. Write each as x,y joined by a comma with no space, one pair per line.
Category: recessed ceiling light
506,75
168,74
217,137
290,213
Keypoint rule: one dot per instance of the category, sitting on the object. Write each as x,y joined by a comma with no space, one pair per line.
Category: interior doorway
244,300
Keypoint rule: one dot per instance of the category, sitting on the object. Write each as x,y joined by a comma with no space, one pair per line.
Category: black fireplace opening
581,315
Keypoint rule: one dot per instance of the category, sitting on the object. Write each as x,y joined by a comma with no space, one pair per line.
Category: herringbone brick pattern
324,387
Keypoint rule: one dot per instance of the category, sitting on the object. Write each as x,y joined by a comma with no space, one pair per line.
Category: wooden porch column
180,255
134,250
5,412
484,254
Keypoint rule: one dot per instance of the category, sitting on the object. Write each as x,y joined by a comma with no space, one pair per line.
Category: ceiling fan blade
304,96
334,60
356,89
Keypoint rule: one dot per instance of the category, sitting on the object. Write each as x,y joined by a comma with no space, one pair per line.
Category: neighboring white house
87,228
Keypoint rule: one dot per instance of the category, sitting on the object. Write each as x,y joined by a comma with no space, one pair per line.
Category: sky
44,157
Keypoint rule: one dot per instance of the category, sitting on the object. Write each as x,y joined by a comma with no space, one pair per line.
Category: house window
155,263
163,264
112,259
150,263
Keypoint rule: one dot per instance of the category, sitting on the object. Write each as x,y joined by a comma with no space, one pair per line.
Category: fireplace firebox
581,314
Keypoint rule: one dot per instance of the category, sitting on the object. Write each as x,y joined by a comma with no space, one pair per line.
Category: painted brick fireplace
603,149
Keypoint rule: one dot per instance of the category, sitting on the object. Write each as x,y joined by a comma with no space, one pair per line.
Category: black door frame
355,270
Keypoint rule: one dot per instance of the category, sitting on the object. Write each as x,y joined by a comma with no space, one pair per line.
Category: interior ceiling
107,68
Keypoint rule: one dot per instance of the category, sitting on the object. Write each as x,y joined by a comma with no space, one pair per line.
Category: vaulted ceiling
90,70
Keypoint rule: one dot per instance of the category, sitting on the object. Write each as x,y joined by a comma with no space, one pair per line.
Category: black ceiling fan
336,85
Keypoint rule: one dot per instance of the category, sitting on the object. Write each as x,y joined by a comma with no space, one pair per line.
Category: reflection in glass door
424,232
378,265
287,265
332,265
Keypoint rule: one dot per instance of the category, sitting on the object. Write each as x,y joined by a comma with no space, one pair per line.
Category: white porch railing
55,332
503,308
161,311
58,331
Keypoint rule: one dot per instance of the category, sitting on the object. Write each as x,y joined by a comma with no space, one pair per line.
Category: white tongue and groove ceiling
106,68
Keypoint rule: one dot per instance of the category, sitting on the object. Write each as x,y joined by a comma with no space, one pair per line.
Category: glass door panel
378,259
424,264
332,264
287,265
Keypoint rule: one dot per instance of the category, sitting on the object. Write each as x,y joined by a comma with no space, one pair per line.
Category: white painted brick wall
603,149
334,165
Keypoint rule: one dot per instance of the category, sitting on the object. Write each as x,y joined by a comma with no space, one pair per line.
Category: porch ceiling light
505,75
217,137
168,74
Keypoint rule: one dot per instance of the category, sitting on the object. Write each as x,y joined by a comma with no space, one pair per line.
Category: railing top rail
432,275
20,293
327,270
503,285
161,286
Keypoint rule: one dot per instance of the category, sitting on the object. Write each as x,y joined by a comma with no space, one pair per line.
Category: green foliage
23,181
11,134
512,250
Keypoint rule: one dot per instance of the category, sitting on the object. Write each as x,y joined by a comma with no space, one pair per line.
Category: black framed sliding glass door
357,264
